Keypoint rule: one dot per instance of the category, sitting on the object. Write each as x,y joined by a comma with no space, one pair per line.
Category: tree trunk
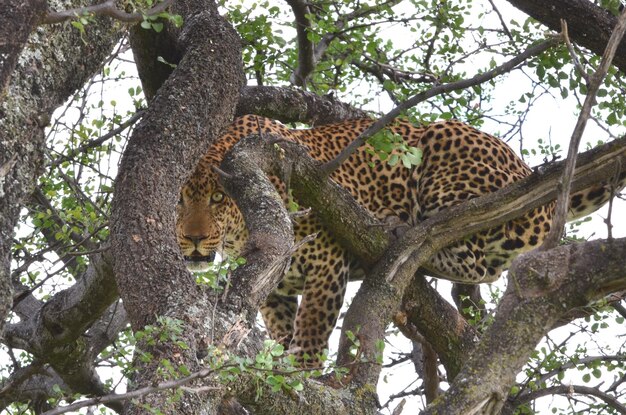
189,110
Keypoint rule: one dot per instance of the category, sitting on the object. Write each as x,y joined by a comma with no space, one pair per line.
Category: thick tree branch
450,335
544,285
59,63
54,334
17,19
374,305
589,25
32,384
269,246
306,60
293,105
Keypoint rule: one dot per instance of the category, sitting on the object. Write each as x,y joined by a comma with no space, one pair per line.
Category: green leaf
296,385
78,25
393,160
277,350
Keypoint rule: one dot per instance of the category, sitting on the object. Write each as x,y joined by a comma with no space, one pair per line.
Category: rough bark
293,105
450,335
588,25
56,64
148,46
269,246
54,332
18,18
169,146
544,286
190,109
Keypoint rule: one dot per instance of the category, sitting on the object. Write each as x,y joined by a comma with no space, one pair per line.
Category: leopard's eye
180,200
217,197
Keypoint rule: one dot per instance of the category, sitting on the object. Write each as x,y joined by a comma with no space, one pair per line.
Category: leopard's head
207,221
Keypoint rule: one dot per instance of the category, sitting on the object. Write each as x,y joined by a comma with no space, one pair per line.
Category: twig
502,22
108,8
562,205
579,67
334,164
609,215
261,283
114,397
98,141
568,390
571,364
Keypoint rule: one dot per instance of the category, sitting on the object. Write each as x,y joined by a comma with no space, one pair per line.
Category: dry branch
595,81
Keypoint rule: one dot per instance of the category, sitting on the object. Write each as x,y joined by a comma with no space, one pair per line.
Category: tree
82,235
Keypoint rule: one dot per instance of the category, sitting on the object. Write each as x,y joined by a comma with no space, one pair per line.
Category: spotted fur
459,163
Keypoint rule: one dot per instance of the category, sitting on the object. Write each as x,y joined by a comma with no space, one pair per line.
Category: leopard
459,163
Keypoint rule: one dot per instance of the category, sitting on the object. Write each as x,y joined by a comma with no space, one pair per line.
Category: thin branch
568,390
562,204
308,53
98,141
438,27
579,67
340,24
571,364
334,164
109,9
114,397
502,22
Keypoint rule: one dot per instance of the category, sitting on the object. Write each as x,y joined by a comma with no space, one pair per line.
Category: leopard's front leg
326,268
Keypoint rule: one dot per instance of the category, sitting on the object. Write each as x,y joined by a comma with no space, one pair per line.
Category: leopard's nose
196,239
